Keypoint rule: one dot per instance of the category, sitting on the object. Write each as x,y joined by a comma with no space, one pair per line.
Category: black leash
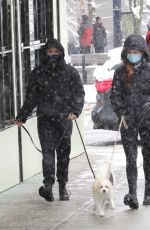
61,140
85,149
31,139
57,143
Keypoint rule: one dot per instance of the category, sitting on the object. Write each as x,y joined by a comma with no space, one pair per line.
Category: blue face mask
134,58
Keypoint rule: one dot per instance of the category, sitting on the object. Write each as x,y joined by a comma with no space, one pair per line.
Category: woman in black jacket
130,98
56,90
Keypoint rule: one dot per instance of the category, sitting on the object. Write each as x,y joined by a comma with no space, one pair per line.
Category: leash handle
85,148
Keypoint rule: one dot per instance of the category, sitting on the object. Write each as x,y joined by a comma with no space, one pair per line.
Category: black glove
146,106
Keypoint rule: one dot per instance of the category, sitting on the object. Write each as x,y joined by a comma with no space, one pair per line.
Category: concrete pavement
21,208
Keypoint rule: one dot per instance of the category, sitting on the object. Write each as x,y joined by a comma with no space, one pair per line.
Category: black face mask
54,58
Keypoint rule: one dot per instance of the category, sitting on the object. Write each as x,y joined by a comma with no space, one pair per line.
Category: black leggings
130,144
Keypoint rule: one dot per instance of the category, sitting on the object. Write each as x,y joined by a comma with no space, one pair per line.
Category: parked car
102,114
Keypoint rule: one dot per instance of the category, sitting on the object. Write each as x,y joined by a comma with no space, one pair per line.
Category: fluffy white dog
103,191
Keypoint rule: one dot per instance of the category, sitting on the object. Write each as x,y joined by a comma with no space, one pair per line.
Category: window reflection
6,23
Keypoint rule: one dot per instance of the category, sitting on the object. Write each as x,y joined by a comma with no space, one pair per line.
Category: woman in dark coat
56,90
130,98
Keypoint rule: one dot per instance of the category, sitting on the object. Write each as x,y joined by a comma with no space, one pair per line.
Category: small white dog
103,191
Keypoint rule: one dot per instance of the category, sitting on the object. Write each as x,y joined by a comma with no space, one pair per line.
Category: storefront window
36,26
6,77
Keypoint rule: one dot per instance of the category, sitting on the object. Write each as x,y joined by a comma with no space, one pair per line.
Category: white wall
9,158
32,159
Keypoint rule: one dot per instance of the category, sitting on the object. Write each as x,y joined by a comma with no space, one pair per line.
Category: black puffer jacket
129,101
55,92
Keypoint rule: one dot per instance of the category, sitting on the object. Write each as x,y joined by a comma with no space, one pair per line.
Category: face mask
134,58
54,58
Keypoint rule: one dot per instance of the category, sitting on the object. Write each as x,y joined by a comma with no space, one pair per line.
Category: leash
122,121
120,124
31,139
56,144
61,140
85,149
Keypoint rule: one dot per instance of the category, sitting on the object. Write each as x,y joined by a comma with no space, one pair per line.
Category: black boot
46,193
131,200
63,194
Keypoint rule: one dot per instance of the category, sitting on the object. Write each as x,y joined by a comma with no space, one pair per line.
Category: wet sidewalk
21,208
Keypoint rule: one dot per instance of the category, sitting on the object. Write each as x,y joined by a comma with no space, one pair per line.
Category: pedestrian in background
148,37
56,90
130,98
85,35
99,36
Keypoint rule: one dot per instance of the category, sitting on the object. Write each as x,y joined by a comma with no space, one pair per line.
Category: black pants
130,144
50,131
85,49
98,48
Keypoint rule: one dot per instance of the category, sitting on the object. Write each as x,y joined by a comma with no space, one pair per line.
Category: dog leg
102,213
101,209
112,203
97,209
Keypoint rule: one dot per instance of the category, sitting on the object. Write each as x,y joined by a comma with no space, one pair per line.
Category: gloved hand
72,116
19,123
146,106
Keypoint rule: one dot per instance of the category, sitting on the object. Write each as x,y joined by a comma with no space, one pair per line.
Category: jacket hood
135,42
52,42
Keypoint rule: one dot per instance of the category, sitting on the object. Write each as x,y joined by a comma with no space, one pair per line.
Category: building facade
25,26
